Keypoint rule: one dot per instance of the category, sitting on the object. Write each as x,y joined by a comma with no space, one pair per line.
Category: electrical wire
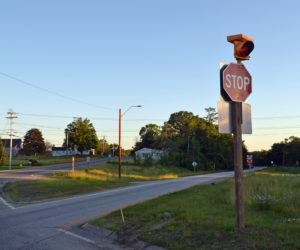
53,92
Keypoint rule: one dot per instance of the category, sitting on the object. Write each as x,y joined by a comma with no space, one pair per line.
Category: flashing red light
246,49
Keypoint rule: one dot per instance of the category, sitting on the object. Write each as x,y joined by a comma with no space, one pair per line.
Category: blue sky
163,55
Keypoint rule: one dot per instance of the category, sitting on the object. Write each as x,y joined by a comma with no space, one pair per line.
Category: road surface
54,224
34,173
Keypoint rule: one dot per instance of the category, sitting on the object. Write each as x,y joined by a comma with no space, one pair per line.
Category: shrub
3,155
33,162
136,159
148,161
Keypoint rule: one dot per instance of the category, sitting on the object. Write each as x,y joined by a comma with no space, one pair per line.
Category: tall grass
99,174
273,191
203,217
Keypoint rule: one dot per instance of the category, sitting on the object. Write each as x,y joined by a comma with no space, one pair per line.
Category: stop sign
237,82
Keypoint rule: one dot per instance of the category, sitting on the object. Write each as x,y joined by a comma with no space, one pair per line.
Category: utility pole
67,141
11,117
113,149
103,145
120,147
120,117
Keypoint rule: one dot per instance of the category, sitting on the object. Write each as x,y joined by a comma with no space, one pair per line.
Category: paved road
54,224
34,173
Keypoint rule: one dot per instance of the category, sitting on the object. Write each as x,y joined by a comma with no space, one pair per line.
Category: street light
120,119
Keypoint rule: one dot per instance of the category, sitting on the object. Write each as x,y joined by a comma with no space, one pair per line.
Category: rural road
34,173
54,224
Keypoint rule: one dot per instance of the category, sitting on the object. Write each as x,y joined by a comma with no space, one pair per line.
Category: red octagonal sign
237,82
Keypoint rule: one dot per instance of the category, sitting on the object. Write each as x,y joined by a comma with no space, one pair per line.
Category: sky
62,59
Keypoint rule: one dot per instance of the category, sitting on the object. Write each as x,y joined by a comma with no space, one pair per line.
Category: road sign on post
236,83
236,86
250,161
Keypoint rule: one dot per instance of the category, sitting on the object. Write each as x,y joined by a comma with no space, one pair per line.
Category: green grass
27,191
20,162
137,173
93,179
203,217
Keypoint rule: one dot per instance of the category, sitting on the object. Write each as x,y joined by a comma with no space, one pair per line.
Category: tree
186,138
48,145
212,115
34,142
149,135
3,155
82,135
103,147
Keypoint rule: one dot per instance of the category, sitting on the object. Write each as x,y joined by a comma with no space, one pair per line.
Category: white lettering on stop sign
234,81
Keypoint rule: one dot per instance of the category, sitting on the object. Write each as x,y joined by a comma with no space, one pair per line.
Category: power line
90,118
53,92
277,117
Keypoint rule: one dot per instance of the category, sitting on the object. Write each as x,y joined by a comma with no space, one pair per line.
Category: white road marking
76,236
6,203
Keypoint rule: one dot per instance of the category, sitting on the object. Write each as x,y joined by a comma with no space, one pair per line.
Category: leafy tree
34,142
212,115
261,158
182,122
3,155
48,145
286,152
149,135
103,147
186,138
82,135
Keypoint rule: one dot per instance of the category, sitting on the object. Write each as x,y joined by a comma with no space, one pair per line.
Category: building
60,151
17,146
147,152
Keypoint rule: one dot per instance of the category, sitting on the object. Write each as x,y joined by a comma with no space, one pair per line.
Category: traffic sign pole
236,86
238,162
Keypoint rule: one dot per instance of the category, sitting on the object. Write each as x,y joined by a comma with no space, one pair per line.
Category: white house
146,152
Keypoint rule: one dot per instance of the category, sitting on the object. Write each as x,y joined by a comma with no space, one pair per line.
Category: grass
136,173
27,191
20,162
93,179
203,217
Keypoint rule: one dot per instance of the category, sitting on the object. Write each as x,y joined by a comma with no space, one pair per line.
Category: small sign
250,160
194,164
225,118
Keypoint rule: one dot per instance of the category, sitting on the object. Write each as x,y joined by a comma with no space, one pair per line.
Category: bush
33,162
166,160
136,159
148,162
3,155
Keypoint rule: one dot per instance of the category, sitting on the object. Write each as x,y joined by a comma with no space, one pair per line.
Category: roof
58,149
148,150
15,143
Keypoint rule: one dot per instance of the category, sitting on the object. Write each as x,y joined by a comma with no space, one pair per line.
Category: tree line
81,136
284,153
186,138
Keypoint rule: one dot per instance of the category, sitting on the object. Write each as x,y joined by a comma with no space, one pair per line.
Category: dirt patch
121,238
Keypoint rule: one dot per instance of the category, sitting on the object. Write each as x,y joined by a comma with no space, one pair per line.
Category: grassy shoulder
27,191
93,179
203,217
20,162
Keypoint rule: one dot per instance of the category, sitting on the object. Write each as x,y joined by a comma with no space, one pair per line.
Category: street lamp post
120,147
